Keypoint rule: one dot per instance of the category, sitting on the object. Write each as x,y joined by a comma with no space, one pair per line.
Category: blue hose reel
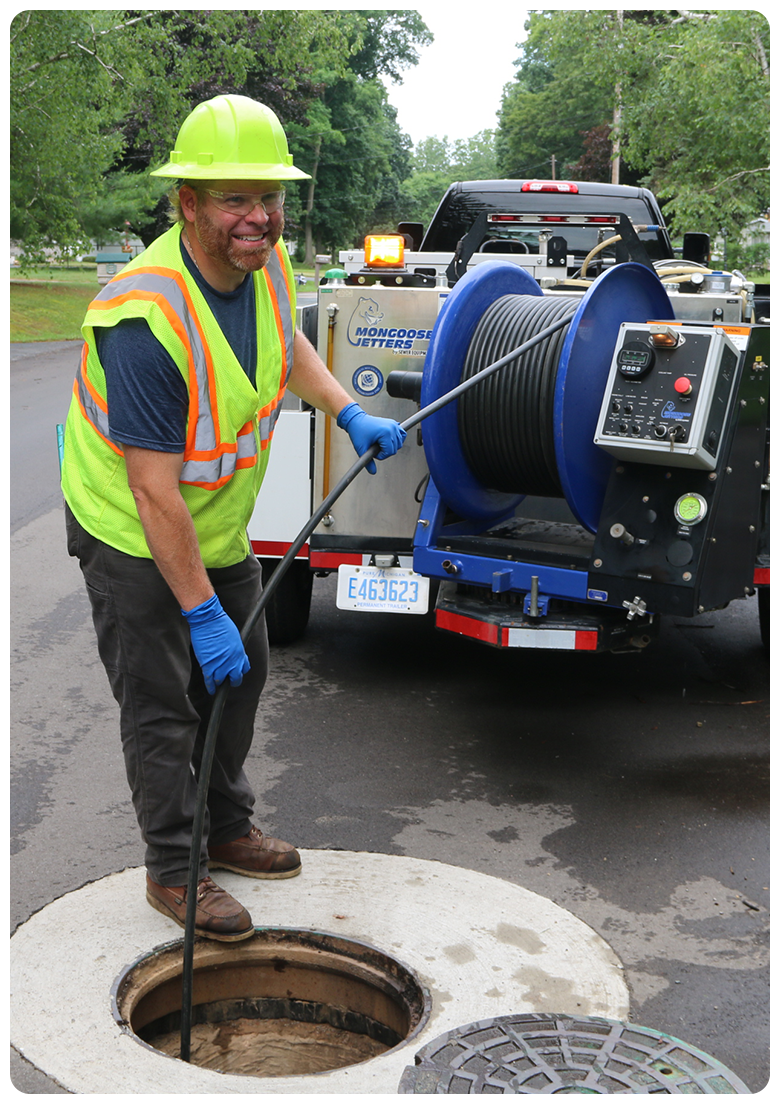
625,293
456,501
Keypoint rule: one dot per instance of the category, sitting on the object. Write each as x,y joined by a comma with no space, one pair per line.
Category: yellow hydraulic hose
597,249
332,312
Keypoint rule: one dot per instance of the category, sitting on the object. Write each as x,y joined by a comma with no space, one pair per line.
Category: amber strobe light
384,251
664,337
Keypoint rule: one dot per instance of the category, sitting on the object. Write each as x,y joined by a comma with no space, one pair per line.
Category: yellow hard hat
231,138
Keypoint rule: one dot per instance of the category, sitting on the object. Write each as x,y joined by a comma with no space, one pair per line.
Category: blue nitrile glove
217,644
365,430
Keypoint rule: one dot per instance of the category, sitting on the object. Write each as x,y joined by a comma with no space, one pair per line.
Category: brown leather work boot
217,914
256,855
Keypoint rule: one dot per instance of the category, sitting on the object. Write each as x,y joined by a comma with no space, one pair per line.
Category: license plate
381,589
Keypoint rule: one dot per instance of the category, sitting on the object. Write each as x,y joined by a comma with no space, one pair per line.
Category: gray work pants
144,644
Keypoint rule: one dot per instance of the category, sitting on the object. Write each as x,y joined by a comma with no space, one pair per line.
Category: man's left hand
365,429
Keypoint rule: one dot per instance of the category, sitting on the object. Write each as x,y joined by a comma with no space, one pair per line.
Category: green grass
50,311
75,273
48,304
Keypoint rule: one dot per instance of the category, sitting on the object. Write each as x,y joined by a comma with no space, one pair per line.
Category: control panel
668,394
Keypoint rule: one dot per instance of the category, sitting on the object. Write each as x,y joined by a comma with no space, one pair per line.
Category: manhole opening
284,1003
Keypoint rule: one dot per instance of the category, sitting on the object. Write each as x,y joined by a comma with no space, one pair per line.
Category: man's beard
218,243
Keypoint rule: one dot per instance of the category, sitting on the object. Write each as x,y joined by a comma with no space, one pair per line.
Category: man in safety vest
187,355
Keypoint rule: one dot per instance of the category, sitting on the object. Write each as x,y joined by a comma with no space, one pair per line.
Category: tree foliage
775,114
351,143
558,94
691,89
63,135
97,97
437,162
385,43
701,134
354,151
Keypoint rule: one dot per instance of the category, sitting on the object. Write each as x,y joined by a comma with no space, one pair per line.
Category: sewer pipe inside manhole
286,1002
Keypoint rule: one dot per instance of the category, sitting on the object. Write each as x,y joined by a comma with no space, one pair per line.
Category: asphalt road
41,382
630,789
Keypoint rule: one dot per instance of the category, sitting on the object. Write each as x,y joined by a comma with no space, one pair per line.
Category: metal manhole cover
566,1055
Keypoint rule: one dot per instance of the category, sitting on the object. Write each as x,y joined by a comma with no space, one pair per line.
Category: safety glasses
242,203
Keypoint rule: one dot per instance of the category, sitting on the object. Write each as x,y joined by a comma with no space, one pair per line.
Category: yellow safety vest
230,423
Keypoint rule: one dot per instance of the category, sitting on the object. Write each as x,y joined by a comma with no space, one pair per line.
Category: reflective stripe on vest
208,461
276,280
92,405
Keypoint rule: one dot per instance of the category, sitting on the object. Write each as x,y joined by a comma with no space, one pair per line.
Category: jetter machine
652,430
615,473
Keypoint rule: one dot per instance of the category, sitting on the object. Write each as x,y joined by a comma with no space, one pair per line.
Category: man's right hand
364,430
217,644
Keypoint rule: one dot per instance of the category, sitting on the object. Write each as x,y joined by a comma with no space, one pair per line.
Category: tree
386,42
356,155
596,160
437,163
474,158
700,127
421,194
98,96
775,125
65,67
432,154
686,94
558,94
351,143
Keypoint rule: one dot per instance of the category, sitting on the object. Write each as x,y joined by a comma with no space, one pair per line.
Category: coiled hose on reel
532,431
506,422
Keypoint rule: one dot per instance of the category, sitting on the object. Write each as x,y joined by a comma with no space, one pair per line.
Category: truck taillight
551,186
384,251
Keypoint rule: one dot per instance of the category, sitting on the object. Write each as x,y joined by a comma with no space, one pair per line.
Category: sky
455,89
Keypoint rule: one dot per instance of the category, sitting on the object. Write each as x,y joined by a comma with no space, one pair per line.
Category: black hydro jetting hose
506,425
218,706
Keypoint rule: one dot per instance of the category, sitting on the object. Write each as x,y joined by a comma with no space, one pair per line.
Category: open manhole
286,1002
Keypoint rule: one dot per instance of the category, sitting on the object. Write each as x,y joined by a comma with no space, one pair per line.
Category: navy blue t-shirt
146,393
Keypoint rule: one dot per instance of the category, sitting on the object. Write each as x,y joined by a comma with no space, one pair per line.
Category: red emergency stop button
683,386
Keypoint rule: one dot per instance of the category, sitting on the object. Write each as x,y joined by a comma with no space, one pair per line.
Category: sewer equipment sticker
367,380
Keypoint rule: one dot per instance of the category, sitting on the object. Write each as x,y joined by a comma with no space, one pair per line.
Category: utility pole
552,162
309,250
617,115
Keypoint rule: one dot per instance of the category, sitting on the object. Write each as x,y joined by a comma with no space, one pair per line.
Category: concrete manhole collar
476,945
